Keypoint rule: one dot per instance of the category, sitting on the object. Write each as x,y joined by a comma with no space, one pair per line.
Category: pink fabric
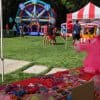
45,28
92,61
4,97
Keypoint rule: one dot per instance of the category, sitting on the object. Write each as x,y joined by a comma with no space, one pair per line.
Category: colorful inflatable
32,14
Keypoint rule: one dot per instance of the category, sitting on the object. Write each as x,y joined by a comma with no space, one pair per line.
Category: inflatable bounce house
33,15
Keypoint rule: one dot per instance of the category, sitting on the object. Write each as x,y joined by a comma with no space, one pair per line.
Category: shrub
9,33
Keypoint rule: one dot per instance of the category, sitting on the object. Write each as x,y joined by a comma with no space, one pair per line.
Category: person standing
14,30
64,32
50,33
54,35
98,30
21,30
45,34
76,31
7,29
69,27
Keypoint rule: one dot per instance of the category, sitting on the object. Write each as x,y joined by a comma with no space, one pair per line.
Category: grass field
31,48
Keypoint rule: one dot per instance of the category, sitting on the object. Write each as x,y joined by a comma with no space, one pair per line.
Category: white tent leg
2,62
1,32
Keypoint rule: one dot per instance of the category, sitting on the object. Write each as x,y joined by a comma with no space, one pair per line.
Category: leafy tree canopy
61,7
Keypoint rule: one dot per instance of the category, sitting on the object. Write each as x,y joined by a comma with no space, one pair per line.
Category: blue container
69,97
34,33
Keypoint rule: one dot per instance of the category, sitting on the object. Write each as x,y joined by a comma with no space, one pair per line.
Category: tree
10,8
73,5
61,7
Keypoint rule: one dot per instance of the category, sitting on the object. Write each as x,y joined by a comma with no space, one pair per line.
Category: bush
9,33
58,32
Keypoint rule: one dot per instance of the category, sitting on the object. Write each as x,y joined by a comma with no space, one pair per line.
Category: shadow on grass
59,43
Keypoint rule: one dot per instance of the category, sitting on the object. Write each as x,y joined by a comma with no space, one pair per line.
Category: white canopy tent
90,11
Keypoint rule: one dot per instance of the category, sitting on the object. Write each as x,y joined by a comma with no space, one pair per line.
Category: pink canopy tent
90,11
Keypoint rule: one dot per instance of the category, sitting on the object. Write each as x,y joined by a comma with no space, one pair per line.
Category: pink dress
91,63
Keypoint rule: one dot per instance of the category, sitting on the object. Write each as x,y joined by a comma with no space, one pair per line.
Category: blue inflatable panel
34,33
41,33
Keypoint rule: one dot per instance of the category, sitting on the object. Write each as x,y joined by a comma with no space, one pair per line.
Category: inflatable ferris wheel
34,13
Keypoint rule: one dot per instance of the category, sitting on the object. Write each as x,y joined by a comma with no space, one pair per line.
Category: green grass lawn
31,48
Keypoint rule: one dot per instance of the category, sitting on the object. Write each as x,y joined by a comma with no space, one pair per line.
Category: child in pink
92,61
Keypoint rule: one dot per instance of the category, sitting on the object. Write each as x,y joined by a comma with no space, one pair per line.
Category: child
45,40
7,29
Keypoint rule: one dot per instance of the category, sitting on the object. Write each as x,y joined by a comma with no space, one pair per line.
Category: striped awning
90,11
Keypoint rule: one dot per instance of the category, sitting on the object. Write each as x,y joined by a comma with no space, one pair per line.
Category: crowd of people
91,46
49,32
91,63
86,39
80,32
77,32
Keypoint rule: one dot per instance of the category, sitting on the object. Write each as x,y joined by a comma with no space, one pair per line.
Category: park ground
32,49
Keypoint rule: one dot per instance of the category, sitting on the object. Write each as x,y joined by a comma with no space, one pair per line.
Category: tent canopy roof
90,11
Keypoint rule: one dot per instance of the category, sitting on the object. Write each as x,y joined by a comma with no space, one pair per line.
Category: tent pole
1,32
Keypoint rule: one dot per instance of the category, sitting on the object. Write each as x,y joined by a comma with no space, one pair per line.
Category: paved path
12,65
36,69
54,70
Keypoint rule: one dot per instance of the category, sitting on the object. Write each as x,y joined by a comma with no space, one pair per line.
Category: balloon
10,20
34,1
21,6
47,7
